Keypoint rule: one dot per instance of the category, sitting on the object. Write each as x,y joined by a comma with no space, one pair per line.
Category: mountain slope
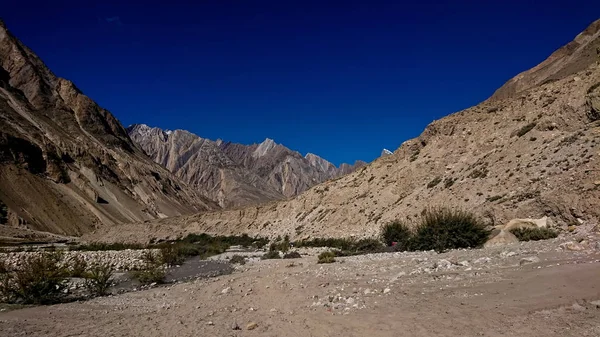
68,166
235,174
532,155
576,56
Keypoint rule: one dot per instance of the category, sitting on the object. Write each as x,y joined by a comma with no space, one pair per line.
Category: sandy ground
527,289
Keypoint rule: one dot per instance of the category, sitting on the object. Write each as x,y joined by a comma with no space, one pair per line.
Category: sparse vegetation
448,182
441,229
99,278
238,259
326,257
78,266
534,234
345,246
153,270
41,279
272,254
292,255
398,234
434,182
525,129
494,198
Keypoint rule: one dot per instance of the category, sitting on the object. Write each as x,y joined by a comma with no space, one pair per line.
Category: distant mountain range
67,166
235,174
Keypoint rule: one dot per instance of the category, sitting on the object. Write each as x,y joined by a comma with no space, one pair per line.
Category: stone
572,246
443,264
210,323
526,223
578,307
529,260
482,260
350,300
386,290
251,326
502,239
235,326
596,304
226,290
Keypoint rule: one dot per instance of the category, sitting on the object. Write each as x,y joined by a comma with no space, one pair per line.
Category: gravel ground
547,288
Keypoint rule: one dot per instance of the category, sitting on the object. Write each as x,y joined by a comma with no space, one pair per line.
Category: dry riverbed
546,288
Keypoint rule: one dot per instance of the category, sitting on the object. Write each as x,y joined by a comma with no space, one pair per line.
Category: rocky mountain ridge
235,174
67,165
529,155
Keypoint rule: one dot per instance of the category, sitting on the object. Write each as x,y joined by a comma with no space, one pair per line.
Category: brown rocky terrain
236,174
67,165
532,154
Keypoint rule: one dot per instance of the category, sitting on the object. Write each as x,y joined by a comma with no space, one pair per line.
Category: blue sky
339,79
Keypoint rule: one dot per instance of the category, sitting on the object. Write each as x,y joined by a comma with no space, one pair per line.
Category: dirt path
492,292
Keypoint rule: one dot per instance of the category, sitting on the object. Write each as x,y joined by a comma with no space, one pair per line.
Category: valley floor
527,289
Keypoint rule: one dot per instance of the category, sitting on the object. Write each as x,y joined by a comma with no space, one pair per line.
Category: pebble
529,259
386,290
251,326
226,290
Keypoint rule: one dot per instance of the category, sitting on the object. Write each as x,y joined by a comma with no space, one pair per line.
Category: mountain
67,165
235,174
576,56
531,154
386,152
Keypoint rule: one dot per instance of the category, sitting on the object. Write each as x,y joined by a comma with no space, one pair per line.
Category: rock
386,290
482,260
235,326
573,246
251,326
528,260
502,239
350,300
210,323
508,254
596,304
578,307
443,264
226,290
526,223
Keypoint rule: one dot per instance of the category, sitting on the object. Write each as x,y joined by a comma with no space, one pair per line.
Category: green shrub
41,279
364,246
173,254
78,266
534,234
153,270
238,259
326,257
282,246
441,229
398,232
292,255
340,243
272,254
99,278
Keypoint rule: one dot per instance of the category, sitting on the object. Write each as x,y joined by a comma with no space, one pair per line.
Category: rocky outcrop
235,174
527,157
67,165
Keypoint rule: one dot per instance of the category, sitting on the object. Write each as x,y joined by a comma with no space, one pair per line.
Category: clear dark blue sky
341,79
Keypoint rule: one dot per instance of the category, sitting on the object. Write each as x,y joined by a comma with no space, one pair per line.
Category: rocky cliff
235,174
67,165
532,152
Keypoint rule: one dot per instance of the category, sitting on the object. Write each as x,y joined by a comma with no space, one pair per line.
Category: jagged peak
264,147
386,152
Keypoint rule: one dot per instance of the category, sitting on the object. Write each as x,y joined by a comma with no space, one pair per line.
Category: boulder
502,239
526,223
